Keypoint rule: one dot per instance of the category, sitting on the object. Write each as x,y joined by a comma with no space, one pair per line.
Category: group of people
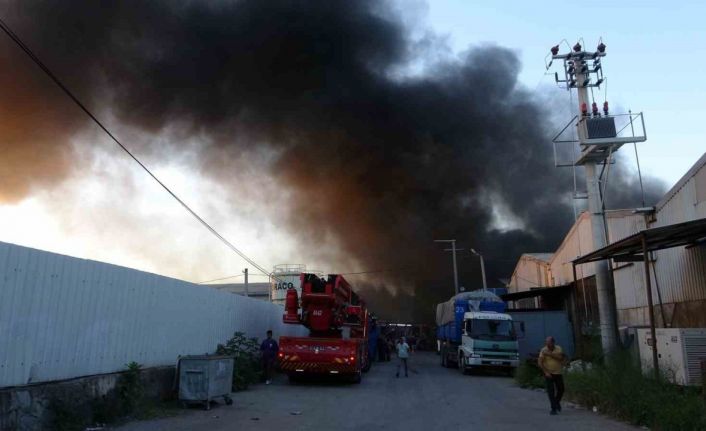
385,347
551,361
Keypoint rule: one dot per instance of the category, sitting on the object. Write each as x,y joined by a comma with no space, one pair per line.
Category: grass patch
528,375
619,388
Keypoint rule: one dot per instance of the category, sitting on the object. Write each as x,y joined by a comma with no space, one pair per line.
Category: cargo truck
474,333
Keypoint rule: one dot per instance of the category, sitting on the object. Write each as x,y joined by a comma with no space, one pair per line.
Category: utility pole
453,251
245,284
598,138
605,289
482,268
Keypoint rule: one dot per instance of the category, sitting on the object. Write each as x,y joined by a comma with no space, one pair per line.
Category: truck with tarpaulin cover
474,332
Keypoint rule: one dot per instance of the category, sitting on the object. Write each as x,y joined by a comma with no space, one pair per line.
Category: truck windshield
490,329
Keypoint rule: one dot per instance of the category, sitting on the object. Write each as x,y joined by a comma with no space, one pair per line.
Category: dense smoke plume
381,150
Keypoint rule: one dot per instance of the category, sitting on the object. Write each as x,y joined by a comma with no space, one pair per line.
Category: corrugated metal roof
546,257
700,164
63,317
654,239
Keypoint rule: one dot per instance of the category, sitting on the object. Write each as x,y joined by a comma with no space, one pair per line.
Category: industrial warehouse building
678,275
253,290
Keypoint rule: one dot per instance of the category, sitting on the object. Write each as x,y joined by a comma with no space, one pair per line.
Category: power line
233,276
370,272
68,92
220,279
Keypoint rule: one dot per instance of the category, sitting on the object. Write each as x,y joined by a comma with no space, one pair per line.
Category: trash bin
205,377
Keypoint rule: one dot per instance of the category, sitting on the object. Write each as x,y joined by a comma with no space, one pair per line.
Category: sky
655,50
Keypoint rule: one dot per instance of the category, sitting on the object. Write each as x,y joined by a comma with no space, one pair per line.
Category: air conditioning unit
680,352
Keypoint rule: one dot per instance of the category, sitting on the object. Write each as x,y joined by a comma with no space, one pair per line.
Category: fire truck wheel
357,377
293,378
366,368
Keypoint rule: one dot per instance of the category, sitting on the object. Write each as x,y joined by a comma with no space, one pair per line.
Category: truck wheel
367,366
357,377
461,365
444,362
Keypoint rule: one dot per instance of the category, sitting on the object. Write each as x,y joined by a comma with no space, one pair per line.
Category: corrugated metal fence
63,317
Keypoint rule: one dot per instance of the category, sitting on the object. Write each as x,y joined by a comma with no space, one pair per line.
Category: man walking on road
551,359
403,355
269,349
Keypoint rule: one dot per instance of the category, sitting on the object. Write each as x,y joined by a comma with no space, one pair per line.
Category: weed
247,368
130,388
528,375
619,388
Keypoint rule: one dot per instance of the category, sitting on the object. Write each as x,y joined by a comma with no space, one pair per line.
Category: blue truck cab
474,332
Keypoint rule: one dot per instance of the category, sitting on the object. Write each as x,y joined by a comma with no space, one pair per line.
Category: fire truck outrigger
338,324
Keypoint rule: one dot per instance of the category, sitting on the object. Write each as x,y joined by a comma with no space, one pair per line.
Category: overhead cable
68,92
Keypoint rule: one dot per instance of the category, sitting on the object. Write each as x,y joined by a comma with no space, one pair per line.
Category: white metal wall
681,272
629,277
63,317
530,272
576,243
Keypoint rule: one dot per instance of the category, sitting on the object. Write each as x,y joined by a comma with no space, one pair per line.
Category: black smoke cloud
378,158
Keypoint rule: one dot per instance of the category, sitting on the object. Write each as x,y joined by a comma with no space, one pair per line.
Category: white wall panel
576,243
681,272
63,317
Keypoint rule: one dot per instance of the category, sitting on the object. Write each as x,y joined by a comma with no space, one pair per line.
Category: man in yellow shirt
551,361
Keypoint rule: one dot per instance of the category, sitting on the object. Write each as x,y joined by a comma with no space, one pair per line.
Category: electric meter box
680,352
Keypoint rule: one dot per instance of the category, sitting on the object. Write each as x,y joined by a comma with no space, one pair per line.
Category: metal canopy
636,247
534,292
628,249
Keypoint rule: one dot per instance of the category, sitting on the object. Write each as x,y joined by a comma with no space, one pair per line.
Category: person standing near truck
551,360
403,355
269,349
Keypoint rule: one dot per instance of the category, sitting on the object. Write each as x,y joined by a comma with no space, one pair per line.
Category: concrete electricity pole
604,283
453,253
598,138
245,281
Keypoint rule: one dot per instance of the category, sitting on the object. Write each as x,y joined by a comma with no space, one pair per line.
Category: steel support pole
245,279
453,251
574,309
648,284
482,271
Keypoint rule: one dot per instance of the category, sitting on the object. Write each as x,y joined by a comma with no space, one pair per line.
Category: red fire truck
337,320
